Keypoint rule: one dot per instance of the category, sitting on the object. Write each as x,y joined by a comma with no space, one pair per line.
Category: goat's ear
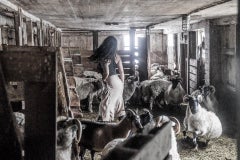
136,110
199,98
212,88
186,99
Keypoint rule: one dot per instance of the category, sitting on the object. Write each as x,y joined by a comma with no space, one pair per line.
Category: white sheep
199,121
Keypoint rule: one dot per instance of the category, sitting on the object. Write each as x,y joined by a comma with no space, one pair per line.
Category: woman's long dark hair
106,50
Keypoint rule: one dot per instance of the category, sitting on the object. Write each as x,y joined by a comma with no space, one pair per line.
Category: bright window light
126,41
136,53
136,61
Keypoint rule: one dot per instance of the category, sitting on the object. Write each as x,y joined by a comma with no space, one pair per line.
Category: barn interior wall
158,48
223,64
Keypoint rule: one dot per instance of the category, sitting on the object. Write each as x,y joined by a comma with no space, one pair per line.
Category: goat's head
207,90
66,127
66,135
132,79
175,81
193,102
134,118
145,117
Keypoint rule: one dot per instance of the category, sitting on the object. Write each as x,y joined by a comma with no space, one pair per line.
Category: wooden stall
36,67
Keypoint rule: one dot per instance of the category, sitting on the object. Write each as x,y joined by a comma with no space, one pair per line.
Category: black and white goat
209,101
174,93
199,121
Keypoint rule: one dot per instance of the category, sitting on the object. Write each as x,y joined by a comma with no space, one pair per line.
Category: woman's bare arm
120,67
105,70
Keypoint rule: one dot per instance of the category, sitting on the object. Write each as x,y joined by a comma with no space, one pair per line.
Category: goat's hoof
196,148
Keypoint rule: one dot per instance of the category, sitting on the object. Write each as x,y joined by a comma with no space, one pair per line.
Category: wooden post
29,29
238,77
95,40
132,46
148,51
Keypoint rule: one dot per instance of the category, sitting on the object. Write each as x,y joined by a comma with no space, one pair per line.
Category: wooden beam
29,29
238,77
95,40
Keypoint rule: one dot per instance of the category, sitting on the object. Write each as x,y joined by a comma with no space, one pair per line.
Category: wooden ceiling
122,14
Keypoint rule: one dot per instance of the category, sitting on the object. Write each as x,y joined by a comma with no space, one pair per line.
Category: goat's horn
177,127
60,118
79,124
146,110
129,110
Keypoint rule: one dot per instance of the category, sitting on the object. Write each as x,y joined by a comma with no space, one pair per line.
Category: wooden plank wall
77,46
18,29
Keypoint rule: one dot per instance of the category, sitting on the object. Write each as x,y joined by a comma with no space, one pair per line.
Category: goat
90,90
199,121
150,123
68,131
152,89
174,93
209,100
96,135
129,87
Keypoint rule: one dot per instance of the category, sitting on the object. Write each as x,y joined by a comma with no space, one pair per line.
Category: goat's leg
90,100
195,141
82,153
92,154
151,103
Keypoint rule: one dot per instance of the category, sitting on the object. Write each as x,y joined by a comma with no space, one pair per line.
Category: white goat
199,121
66,133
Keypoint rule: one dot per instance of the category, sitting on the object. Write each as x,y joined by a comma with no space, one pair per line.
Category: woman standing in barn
112,104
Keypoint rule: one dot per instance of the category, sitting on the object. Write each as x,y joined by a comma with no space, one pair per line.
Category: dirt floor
223,148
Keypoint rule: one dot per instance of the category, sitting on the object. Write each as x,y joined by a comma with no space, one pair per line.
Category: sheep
96,135
68,131
153,90
209,100
149,123
174,93
90,90
130,86
199,121
158,75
